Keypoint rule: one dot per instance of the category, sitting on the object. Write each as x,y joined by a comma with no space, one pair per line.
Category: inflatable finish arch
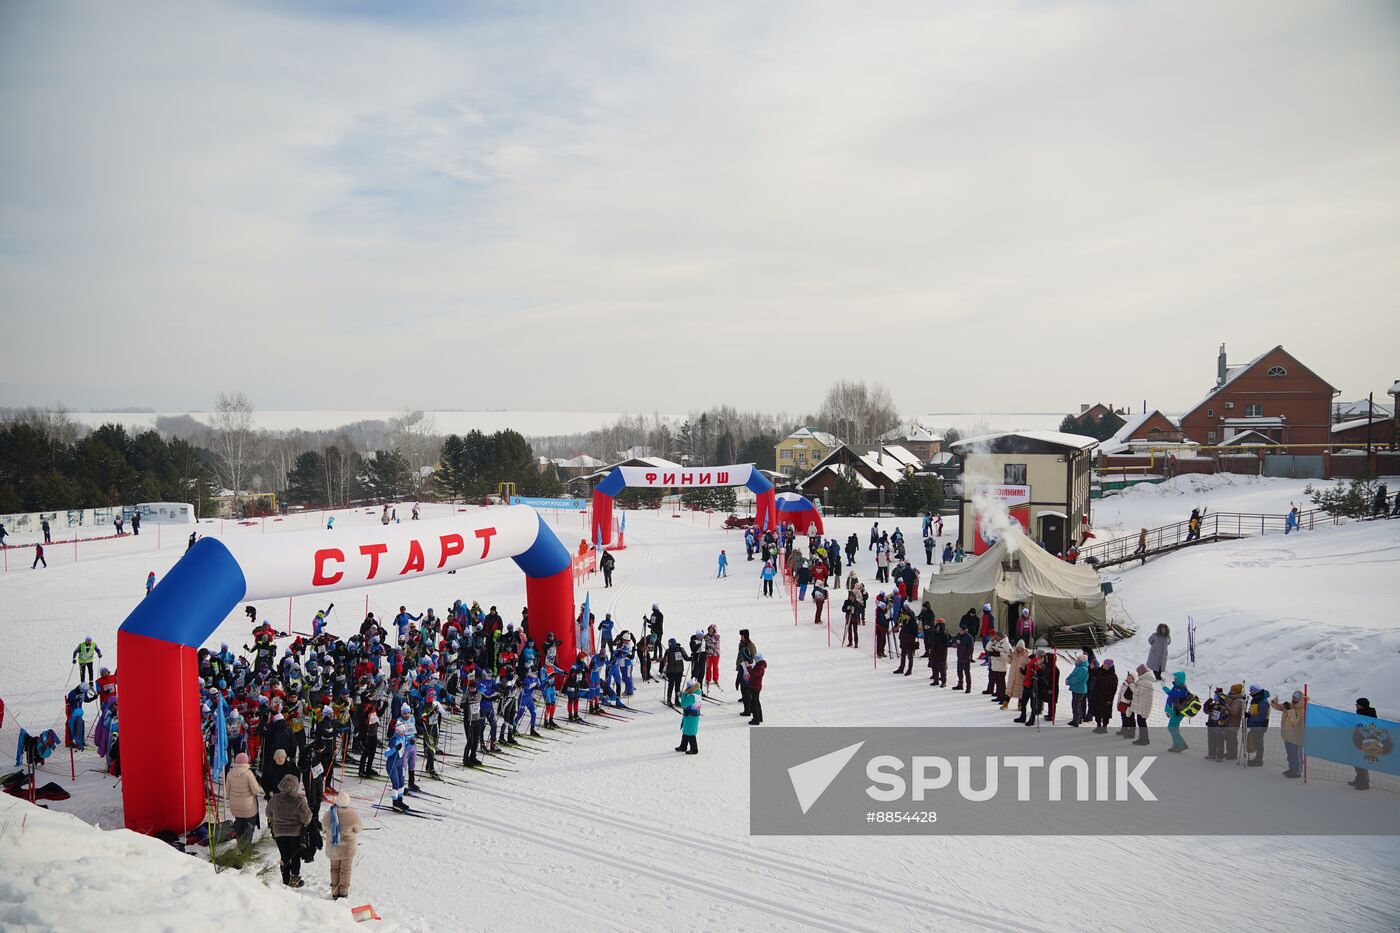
745,474
162,746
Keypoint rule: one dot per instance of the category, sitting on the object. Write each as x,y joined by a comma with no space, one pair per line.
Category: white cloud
330,210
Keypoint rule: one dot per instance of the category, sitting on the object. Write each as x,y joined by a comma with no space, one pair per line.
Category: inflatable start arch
162,746
745,474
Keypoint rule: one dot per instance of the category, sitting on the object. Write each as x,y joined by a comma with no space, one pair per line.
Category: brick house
1273,394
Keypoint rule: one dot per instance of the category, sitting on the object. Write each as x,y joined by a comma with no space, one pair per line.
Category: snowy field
611,830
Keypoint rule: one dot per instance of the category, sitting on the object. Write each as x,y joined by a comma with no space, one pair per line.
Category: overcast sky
613,206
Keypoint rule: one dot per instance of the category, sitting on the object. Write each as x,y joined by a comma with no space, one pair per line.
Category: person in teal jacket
769,572
1177,695
1078,684
690,718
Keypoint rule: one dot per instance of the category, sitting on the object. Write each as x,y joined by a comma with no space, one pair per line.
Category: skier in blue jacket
723,565
528,686
769,572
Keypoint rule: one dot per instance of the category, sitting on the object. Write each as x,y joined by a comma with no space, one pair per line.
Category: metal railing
1215,526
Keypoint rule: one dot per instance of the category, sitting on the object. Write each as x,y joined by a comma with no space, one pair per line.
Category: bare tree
857,413
233,440
416,437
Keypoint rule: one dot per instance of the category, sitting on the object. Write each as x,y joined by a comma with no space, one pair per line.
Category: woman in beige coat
343,823
1016,673
243,790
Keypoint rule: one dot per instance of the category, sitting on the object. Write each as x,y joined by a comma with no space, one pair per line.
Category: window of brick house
1276,371
1254,410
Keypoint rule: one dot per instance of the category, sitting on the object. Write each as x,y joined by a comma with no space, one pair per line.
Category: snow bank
1314,607
59,873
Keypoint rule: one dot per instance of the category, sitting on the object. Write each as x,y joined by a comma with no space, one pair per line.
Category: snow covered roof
861,481
911,431
1394,390
821,437
580,462
1057,438
1359,423
940,458
902,455
1361,408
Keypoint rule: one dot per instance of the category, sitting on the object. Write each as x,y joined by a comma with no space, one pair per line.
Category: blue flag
624,523
583,623
1359,741
220,738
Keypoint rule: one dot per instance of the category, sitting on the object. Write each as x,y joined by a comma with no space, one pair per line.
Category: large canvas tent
1058,593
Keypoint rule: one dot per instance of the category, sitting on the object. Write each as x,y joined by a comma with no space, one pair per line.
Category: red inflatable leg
551,602
162,752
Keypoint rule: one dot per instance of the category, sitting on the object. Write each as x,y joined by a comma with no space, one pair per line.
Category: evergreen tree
306,481
847,496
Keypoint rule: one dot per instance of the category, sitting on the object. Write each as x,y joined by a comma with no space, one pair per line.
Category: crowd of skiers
378,700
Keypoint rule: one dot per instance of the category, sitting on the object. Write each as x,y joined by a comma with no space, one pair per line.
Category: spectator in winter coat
755,683
279,767
1144,695
1291,722
1128,729
819,595
1177,698
243,791
937,643
1362,781
1078,683
908,644
1257,723
1103,688
963,641
999,659
1216,709
690,718
1157,649
745,655
803,578
1234,719
287,815
342,830
1016,674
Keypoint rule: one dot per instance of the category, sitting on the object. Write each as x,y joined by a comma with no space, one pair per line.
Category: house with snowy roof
915,438
876,471
1141,432
801,450
1273,394
1040,478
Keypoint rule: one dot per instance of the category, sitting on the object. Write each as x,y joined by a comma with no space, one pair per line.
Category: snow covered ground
611,830
1151,505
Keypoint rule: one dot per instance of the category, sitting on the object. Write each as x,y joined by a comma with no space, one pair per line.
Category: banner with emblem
1345,737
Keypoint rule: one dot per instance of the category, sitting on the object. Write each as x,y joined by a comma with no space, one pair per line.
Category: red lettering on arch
452,545
668,479
485,534
319,577
651,479
687,479
723,479
415,558
704,480
372,551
